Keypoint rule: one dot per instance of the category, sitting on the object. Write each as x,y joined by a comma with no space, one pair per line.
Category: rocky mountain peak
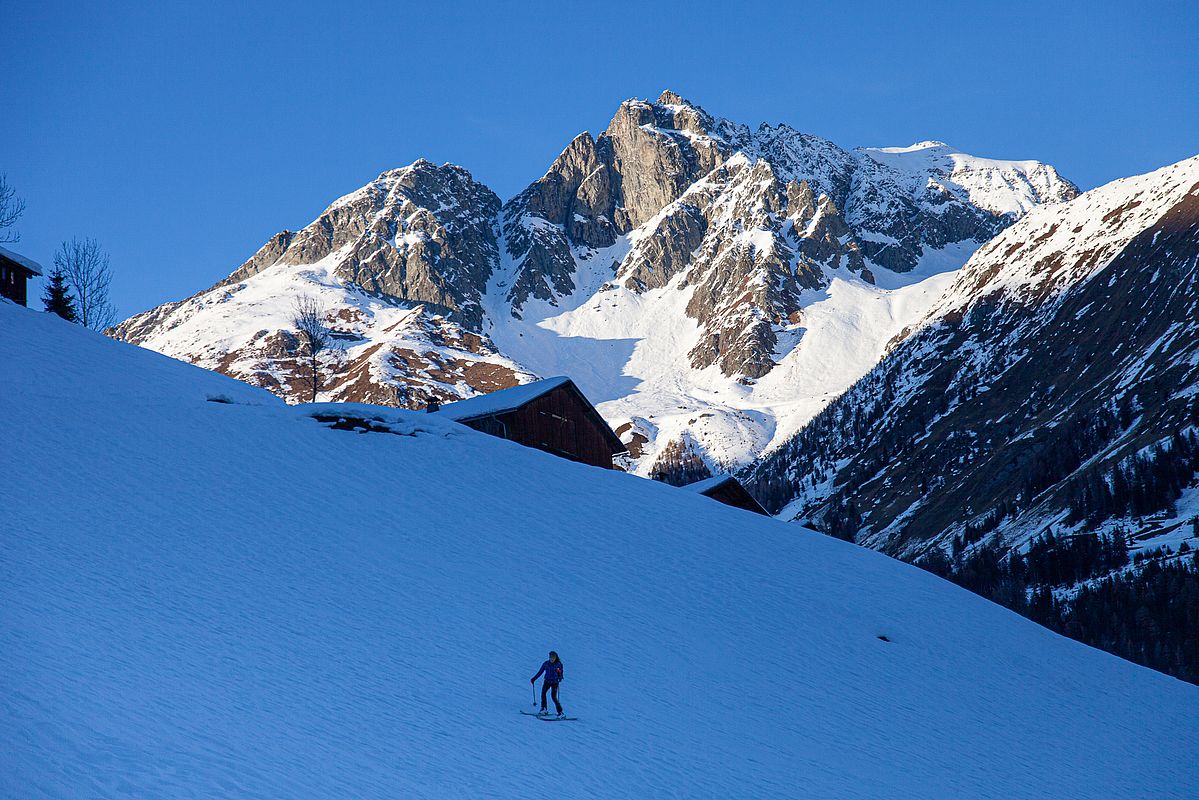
673,112
670,98
670,217
657,152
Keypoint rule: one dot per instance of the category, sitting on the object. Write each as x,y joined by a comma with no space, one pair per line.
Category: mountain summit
710,285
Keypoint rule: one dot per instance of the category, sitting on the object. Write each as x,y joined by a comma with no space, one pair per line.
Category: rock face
1062,363
421,235
746,275
661,171
600,189
675,261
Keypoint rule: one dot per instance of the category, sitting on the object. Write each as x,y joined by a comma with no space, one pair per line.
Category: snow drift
207,593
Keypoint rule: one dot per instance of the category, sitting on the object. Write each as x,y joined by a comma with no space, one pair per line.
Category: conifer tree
58,298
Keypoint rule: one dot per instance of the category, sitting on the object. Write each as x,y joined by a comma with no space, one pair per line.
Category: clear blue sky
183,135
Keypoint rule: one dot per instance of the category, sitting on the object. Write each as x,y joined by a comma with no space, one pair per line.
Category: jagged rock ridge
663,168
399,267
742,243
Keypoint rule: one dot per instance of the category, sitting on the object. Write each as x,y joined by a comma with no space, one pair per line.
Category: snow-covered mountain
709,285
398,267
1079,312
196,605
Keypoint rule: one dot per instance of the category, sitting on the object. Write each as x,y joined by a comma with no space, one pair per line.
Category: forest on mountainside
1144,609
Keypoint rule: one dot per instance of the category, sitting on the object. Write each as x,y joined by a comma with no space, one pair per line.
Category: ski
548,717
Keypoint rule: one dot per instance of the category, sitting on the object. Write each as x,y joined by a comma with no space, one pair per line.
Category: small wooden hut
15,271
550,415
728,490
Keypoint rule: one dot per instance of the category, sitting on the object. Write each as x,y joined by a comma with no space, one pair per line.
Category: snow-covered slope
205,599
710,285
1065,348
1000,187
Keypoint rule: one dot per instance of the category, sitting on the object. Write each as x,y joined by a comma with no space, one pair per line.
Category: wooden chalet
550,415
15,271
728,490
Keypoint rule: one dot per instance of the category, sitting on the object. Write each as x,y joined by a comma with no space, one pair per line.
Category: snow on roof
708,484
504,400
27,263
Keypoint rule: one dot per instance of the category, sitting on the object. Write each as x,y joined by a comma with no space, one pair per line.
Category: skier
553,676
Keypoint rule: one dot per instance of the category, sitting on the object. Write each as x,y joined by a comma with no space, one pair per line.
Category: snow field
203,599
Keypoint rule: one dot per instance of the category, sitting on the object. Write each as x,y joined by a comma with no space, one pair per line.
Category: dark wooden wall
557,423
12,284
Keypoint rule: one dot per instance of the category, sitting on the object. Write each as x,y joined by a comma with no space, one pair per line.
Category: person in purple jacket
553,676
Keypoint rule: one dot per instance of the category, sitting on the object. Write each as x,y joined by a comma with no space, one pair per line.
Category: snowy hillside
1001,187
1075,312
1041,426
208,593
710,285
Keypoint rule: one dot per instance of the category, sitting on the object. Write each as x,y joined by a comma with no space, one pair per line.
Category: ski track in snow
206,599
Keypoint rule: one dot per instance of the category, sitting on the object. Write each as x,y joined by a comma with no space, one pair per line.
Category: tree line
1140,485
679,465
1144,609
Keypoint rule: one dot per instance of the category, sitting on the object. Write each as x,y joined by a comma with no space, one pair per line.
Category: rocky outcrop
599,189
400,267
423,233
824,237
571,205
745,245
658,151
669,246
746,281
656,175
576,193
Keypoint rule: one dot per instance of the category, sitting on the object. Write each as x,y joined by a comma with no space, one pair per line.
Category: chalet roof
510,399
710,484
709,487
21,261
505,400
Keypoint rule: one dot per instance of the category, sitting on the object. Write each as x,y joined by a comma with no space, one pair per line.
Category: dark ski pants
552,688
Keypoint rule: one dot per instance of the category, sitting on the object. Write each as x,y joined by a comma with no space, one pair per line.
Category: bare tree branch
11,209
308,317
87,271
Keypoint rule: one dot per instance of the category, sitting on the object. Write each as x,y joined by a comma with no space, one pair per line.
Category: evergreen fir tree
57,298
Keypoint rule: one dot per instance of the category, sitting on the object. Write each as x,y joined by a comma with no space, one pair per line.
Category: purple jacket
552,670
